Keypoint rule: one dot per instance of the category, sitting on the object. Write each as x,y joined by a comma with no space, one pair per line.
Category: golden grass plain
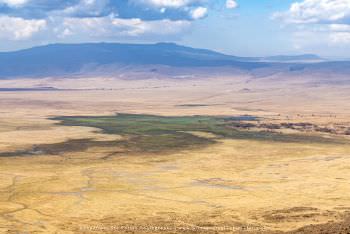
243,185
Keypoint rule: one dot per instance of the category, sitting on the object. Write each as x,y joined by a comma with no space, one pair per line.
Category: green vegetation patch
159,134
150,133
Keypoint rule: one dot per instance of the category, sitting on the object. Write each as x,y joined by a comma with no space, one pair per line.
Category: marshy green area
159,134
150,133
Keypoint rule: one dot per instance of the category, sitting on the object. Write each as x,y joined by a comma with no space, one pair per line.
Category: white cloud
340,27
14,28
231,4
319,23
111,26
98,20
316,11
14,3
85,7
199,13
166,3
339,33
340,38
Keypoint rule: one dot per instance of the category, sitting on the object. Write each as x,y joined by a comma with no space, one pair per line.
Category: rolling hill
106,58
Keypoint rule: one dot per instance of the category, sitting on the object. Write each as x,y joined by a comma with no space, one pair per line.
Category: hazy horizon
179,44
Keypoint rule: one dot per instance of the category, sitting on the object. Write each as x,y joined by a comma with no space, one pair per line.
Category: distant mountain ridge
57,59
67,59
295,58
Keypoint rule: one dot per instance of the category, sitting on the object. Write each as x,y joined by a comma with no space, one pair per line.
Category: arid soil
233,185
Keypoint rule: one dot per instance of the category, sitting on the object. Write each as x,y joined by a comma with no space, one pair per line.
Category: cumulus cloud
97,19
340,27
167,3
319,21
316,11
199,13
84,20
340,38
231,4
18,28
86,8
13,3
171,9
144,9
111,26
339,33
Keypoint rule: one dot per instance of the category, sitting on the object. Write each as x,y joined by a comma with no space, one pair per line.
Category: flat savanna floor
71,178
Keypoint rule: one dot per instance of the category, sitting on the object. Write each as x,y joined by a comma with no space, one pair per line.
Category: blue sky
240,27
